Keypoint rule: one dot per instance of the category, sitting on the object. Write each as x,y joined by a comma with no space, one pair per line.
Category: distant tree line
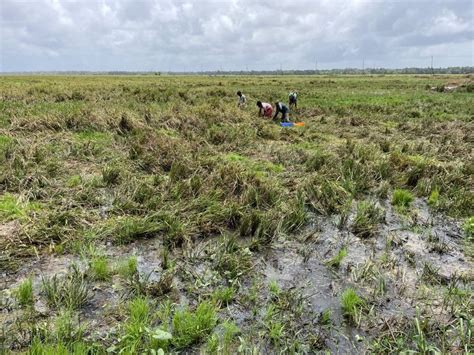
347,71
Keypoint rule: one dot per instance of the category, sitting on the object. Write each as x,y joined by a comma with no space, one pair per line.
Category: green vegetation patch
190,327
402,199
351,304
12,207
255,166
5,144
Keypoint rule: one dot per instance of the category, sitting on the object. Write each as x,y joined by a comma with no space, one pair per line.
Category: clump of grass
326,197
221,340
66,330
70,292
74,181
212,345
262,226
274,288
336,260
64,336
385,145
128,229
433,200
6,144
128,268
12,208
469,228
111,175
315,161
24,293
430,274
368,216
230,331
40,346
295,215
99,268
231,260
163,286
325,317
262,195
179,170
351,304
138,335
276,332
139,311
223,295
192,327
402,198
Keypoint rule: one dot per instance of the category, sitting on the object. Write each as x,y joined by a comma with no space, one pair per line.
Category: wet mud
386,269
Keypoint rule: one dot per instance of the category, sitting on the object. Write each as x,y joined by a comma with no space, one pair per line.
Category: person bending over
265,109
284,110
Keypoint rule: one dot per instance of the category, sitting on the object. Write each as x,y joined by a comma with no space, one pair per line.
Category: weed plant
352,305
190,327
402,199
70,292
24,293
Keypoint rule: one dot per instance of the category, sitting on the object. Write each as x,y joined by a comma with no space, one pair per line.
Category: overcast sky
177,35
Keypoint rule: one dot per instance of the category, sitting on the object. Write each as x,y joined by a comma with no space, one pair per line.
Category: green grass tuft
24,293
402,198
111,175
127,229
274,288
433,200
368,216
469,228
336,260
70,292
99,268
128,268
192,327
12,208
74,181
351,304
223,295
138,335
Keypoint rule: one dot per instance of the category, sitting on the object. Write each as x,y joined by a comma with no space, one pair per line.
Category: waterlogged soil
387,270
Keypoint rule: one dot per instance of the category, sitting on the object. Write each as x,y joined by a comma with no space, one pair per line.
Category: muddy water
402,248
427,239
315,281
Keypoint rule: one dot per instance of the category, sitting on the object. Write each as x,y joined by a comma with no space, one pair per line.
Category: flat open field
140,213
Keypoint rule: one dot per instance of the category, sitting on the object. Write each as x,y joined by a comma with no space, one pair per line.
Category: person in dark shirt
285,112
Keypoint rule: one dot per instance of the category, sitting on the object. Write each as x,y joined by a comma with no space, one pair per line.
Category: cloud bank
194,35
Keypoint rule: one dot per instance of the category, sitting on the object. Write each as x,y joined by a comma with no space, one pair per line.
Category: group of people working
266,110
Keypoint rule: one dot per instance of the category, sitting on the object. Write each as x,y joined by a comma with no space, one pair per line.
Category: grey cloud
232,34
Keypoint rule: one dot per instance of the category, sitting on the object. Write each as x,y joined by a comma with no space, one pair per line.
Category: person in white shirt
265,109
293,99
242,99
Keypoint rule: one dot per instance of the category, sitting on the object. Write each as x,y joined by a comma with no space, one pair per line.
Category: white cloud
232,34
